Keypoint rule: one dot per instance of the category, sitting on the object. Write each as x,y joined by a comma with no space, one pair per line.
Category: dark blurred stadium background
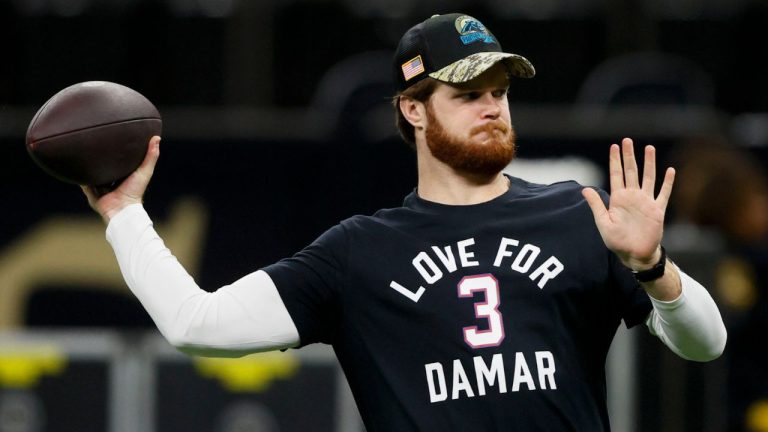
278,125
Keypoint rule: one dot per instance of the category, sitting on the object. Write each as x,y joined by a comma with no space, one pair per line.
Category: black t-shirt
495,316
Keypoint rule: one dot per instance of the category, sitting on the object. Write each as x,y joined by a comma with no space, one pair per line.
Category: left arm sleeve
690,325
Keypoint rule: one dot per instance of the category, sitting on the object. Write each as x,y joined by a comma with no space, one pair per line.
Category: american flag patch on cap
413,67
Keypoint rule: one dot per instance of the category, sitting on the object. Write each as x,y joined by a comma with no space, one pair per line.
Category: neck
442,184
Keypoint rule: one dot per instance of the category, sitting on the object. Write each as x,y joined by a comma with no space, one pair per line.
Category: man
484,303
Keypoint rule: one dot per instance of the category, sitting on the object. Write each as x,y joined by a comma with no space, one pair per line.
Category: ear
414,111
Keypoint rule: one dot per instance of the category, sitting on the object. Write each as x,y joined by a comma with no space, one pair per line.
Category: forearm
666,288
689,324
246,316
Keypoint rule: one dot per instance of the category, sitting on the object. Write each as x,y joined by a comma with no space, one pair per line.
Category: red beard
469,158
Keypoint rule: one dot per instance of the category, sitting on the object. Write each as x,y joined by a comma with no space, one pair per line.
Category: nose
491,106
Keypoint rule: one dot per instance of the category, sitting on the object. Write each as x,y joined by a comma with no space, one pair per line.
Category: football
93,133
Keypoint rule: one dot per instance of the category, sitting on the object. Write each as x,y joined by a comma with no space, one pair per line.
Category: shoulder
557,187
564,192
382,218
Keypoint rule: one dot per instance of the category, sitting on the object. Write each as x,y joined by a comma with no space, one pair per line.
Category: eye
500,93
469,96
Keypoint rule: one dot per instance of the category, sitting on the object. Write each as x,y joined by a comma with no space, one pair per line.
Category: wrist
111,211
667,288
645,273
644,263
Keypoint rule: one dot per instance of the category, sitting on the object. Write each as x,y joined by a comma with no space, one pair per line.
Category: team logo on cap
472,30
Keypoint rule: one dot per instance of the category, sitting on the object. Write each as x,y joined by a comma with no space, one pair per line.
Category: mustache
490,127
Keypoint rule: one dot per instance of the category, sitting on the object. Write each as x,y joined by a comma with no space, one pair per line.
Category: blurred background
277,125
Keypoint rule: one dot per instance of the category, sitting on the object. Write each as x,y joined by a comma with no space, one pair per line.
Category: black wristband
654,272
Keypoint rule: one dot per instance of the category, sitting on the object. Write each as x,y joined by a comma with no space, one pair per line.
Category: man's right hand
130,191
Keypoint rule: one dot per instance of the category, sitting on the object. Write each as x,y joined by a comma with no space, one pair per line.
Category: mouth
489,133
489,130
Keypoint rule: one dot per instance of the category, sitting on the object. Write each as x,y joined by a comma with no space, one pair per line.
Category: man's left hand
633,224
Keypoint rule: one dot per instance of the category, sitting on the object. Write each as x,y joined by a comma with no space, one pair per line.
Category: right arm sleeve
244,317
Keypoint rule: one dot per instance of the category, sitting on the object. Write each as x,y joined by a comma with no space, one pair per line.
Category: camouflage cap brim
472,66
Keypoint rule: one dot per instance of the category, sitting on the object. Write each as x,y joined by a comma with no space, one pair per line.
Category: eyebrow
463,87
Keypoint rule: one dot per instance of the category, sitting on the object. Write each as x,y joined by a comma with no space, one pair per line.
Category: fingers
89,194
623,169
615,172
147,167
649,170
631,177
136,184
131,189
666,188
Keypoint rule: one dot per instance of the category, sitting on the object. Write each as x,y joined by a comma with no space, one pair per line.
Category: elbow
176,338
207,342
181,335
719,347
192,346
186,326
711,350
211,352
199,348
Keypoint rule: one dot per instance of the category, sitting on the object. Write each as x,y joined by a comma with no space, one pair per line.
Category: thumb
599,211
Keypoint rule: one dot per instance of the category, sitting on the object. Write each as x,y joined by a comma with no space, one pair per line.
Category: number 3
489,309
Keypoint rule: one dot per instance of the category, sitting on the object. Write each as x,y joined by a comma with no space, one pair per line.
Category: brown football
93,133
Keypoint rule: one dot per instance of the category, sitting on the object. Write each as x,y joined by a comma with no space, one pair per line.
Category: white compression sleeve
244,317
690,325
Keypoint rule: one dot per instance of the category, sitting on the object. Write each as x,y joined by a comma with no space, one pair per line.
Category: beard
478,160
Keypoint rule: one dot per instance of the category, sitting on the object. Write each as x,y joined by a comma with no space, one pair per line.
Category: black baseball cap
452,48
